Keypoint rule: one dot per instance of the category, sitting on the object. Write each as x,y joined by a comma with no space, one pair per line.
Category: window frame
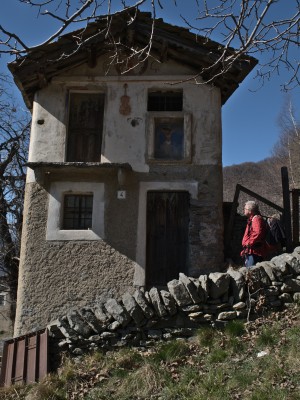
58,190
77,212
70,93
165,94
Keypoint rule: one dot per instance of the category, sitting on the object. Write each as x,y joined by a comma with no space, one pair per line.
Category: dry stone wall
144,317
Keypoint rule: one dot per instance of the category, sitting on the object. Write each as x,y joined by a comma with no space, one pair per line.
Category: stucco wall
58,275
123,140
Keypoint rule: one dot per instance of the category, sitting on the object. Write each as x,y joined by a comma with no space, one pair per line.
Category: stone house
124,182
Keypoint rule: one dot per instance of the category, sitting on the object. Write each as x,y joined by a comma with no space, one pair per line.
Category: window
165,101
78,211
75,211
169,128
85,127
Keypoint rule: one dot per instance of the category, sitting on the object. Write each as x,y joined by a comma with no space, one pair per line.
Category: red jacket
254,240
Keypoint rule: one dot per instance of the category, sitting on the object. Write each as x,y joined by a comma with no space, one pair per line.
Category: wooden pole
295,203
287,208
258,197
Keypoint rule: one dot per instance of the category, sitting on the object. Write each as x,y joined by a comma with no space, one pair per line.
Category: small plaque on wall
121,195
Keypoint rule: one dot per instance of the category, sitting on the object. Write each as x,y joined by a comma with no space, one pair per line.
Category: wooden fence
25,359
290,214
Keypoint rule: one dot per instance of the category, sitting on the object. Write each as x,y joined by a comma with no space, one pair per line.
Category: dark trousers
252,259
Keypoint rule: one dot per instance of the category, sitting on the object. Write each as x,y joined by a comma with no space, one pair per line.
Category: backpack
275,233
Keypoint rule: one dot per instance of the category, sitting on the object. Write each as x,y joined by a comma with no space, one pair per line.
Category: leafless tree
264,177
14,134
265,29
287,148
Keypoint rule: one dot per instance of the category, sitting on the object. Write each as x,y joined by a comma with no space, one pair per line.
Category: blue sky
250,127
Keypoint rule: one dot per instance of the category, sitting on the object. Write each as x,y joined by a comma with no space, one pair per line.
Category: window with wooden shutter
85,127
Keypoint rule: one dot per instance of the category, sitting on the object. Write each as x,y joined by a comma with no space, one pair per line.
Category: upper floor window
165,101
85,127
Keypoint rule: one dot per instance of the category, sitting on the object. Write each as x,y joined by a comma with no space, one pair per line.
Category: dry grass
212,365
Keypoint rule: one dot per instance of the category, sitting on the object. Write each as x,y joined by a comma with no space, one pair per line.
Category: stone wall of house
145,317
73,273
55,274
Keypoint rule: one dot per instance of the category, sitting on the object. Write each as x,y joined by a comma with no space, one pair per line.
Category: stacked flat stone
142,318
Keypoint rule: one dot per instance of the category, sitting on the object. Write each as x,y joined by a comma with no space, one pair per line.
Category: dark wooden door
167,236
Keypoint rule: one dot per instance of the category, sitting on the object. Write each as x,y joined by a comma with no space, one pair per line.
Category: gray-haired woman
254,239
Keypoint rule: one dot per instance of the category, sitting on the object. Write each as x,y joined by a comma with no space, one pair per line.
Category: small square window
78,210
88,212
165,101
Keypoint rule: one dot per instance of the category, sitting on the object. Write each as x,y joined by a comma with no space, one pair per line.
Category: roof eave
32,72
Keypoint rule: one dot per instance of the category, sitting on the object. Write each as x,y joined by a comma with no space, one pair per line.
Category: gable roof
34,70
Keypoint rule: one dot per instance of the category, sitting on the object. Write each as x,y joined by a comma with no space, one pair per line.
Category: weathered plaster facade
61,269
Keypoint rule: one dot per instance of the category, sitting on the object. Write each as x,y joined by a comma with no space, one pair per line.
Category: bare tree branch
14,136
256,28
261,28
287,149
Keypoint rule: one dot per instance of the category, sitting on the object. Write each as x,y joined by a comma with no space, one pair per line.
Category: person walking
254,239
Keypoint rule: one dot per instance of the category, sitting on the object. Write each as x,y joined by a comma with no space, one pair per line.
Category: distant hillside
263,178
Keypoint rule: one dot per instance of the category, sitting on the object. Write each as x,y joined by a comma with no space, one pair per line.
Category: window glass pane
78,211
88,201
70,201
68,223
165,101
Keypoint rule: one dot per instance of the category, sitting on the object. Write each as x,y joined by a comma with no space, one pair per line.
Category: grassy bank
257,360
